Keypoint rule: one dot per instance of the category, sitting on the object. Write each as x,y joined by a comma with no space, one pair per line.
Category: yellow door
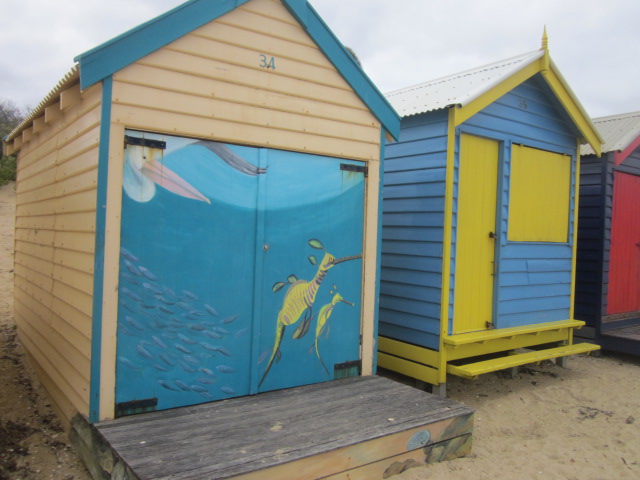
475,245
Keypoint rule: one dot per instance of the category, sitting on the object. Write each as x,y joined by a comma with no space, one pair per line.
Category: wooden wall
591,237
210,84
55,234
413,233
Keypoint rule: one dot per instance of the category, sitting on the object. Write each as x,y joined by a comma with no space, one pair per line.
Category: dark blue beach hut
608,268
479,236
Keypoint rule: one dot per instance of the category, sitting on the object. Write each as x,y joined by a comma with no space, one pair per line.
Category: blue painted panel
314,231
217,239
422,337
414,184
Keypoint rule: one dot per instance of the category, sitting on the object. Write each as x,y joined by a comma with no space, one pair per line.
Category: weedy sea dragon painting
299,300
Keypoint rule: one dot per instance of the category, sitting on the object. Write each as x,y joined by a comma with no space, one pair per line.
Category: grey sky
595,43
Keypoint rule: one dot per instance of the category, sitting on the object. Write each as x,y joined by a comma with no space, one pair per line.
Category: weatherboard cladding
591,231
534,278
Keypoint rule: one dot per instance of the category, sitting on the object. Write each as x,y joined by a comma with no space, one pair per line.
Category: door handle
493,235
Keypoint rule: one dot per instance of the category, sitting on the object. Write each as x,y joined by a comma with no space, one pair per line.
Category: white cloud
400,42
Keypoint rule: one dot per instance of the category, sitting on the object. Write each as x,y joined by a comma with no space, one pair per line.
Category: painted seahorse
300,298
323,317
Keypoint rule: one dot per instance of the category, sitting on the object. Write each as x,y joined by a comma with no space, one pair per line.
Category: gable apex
103,61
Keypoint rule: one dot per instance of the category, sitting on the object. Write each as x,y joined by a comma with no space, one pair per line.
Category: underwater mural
209,231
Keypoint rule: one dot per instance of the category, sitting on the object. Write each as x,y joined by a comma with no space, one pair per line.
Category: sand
547,422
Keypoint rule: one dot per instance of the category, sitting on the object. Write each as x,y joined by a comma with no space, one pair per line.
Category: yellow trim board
414,353
410,369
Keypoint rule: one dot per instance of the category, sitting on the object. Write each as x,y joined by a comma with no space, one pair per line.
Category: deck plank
239,436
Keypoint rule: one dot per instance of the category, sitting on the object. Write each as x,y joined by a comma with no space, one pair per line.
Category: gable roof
472,90
104,60
619,133
108,58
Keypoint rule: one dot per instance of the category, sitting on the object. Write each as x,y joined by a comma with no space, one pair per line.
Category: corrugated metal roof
71,77
618,132
458,89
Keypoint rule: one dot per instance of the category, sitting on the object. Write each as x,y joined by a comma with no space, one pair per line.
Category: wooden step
472,370
487,335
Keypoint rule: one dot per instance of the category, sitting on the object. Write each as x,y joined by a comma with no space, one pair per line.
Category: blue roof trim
108,58
123,50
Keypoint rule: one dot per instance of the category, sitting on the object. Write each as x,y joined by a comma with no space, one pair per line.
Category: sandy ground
547,422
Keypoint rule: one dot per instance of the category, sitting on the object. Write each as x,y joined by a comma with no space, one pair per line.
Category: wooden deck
625,339
356,428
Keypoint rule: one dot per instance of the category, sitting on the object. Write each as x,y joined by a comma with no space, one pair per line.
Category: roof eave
573,107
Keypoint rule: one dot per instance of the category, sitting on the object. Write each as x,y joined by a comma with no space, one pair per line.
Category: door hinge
144,142
348,167
136,406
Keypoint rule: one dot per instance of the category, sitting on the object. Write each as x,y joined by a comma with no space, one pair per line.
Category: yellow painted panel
76,319
82,262
44,207
35,308
43,252
36,293
47,192
35,223
45,267
539,195
79,280
408,351
76,222
408,368
39,180
162,79
477,194
36,167
248,36
56,366
248,115
77,202
34,277
268,18
73,297
85,161
87,180
38,234
170,123
78,241
234,74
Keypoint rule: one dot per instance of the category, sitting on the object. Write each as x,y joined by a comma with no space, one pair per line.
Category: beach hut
608,265
197,212
478,243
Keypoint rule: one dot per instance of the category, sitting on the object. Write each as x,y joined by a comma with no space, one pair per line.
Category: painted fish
211,310
128,363
206,380
191,359
164,384
198,388
207,371
181,385
132,295
128,255
228,390
158,342
211,334
143,352
182,348
230,319
190,295
225,369
147,273
186,339
167,359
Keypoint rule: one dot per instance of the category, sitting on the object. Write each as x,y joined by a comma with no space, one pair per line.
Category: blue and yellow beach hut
479,236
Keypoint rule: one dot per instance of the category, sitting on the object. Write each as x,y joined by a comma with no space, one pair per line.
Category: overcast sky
595,43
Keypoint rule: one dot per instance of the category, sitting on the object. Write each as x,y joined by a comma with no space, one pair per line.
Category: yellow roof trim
483,101
572,106
552,76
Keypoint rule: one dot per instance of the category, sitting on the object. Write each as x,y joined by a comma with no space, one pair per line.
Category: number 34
267,62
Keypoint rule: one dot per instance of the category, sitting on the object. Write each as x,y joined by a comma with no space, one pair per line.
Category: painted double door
240,271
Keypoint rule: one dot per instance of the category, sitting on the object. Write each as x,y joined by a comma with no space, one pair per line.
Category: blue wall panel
412,234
